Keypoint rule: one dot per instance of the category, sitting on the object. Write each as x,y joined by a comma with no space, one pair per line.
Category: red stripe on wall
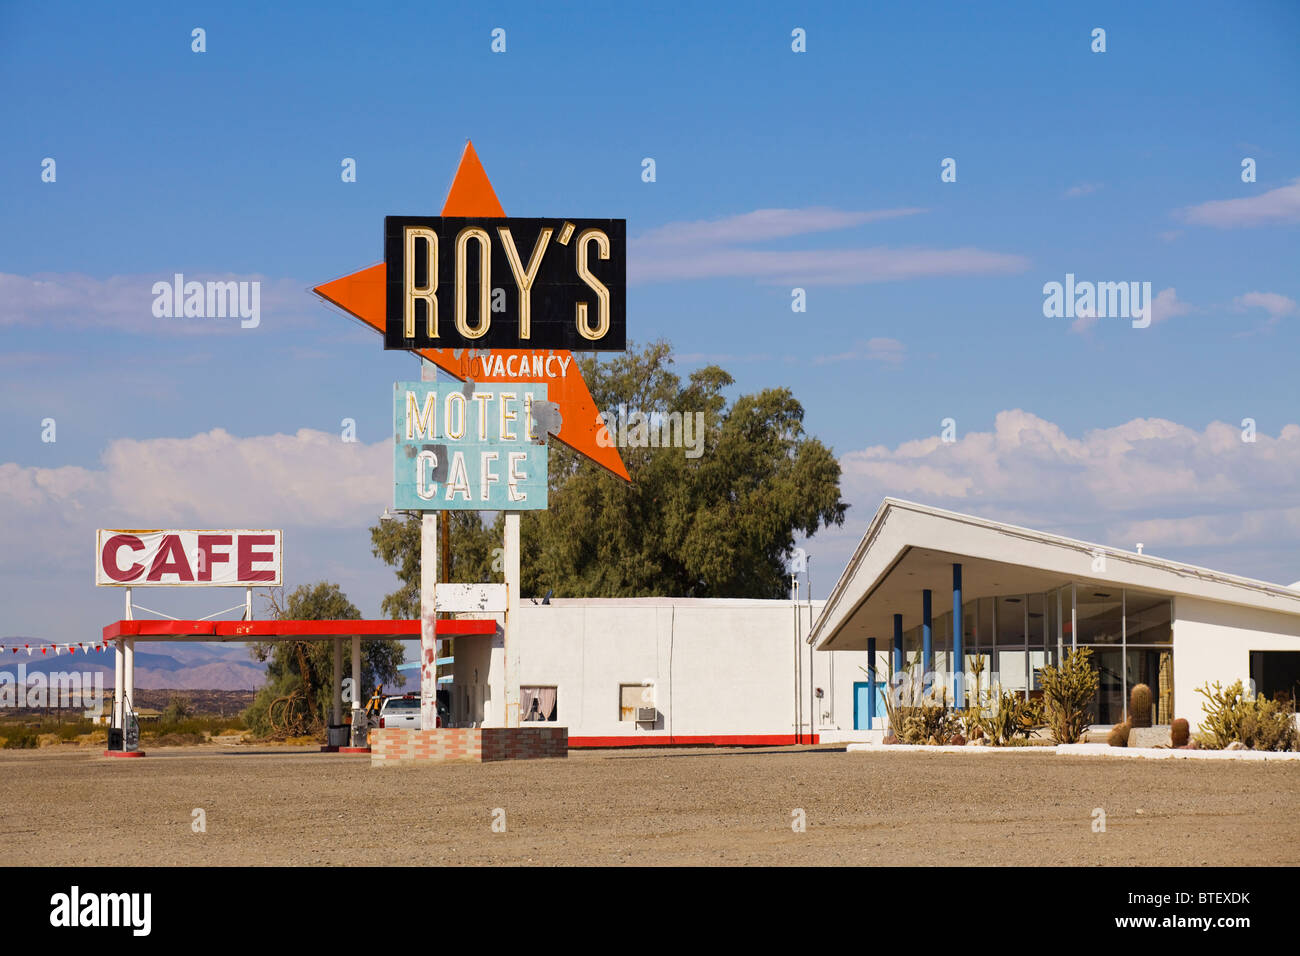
664,740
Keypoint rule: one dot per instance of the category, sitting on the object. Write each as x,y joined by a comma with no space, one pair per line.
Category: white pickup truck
404,711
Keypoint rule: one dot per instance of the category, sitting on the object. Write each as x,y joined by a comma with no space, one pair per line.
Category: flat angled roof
909,547
295,630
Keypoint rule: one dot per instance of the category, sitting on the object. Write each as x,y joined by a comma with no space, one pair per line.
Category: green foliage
1257,722
722,524
320,602
21,741
1068,691
928,723
475,555
178,708
918,719
1009,716
190,727
1139,706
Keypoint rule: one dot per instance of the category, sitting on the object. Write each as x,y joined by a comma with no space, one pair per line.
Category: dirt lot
66,806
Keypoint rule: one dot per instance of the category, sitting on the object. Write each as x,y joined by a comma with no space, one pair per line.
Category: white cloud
890,351
1207,495
1082,189
125,302
1271,302
1166,305
763,224
714,249
214,479
1281,205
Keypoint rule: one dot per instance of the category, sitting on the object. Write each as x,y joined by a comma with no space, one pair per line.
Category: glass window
985,625
1275,674
629,699
1100,615
1109,704
943,648
1148,618
1037,636
1009,669
1155,668
1052,643
539,703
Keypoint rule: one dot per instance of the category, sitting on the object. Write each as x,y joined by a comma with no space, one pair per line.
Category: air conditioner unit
646,715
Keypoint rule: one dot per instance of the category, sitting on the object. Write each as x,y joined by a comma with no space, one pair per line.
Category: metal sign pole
512,616
428,620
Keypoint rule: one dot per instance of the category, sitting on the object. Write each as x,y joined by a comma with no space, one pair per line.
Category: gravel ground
68,806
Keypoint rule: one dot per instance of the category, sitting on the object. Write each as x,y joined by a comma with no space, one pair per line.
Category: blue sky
1115,166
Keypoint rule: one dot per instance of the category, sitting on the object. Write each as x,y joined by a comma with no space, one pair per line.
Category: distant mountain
174,665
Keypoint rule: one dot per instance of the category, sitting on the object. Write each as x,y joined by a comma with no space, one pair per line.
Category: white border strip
1084,750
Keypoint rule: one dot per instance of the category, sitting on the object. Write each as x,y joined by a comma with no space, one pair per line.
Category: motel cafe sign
461,448
205,558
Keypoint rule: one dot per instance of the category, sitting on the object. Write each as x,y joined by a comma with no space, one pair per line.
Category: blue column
871,682
899,663
927,644
958,662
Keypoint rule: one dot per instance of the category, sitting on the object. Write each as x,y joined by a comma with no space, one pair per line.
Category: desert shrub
177,740
1258,723
178,708
1269,725
22,741
928,721
74,731
1009,716
914,717
1067,692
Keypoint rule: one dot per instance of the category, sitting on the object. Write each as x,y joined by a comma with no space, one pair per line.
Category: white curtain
526,697
546,697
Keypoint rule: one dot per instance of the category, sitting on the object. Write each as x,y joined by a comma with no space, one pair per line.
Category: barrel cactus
1139,706
1118,736
1180,732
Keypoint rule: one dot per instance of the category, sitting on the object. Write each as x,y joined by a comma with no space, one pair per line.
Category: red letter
247,556
206,542
171,559
108,558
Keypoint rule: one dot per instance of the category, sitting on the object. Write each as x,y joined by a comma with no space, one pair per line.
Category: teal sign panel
466,448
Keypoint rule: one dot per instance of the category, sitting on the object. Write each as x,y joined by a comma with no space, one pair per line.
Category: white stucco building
657,671
933,584
925,587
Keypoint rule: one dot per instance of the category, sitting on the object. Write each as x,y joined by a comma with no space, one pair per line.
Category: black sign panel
493,283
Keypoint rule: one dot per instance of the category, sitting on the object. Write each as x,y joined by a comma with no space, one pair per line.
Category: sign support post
511,560
428,620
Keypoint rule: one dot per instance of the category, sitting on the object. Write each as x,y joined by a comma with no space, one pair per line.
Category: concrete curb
928,749
1083,750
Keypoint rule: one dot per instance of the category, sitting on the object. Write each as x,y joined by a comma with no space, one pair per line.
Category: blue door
862,711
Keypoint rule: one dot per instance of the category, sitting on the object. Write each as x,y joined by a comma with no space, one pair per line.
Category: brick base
393,745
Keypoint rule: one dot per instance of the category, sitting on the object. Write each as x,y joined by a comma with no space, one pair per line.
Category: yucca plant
1257,722
1068,690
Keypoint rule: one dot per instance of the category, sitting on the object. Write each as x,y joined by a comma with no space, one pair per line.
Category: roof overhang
287,630
910,547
